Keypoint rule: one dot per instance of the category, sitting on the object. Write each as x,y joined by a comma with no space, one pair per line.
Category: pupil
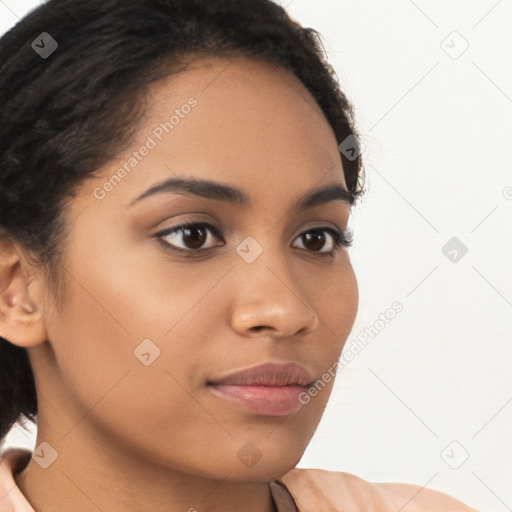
318,238
197,240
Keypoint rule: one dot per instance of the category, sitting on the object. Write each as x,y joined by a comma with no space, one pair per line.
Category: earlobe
21,319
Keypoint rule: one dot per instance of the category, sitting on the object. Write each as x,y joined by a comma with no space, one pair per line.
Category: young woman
175,283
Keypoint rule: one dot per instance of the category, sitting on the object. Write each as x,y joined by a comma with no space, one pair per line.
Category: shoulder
339,492
12,460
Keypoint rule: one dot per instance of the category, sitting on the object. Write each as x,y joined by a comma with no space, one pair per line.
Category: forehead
252,124
252,107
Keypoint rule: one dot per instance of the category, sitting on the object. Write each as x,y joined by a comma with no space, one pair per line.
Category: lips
271,389
269,374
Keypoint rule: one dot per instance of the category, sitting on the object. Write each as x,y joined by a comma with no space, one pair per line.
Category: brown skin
135,437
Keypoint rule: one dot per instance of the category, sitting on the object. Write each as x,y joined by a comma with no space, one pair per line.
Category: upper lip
268,374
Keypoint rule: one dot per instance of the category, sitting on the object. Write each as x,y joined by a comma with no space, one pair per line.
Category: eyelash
340,238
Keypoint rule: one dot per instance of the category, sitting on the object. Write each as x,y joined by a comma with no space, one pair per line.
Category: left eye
195,235
316,239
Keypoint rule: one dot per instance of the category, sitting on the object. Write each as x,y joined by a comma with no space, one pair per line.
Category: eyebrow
237,197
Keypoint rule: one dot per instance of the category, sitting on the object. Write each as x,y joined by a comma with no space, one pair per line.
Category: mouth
271,389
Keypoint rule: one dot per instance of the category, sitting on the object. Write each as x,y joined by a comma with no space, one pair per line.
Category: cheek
128,343
350,290
338,303
140,399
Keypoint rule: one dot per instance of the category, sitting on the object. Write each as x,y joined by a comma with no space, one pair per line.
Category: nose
268,299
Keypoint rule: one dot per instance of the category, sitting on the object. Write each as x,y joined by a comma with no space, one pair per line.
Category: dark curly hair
65,116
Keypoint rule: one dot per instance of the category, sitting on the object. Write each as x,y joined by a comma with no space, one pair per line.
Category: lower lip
263,400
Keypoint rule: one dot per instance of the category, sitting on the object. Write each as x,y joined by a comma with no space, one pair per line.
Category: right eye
193,236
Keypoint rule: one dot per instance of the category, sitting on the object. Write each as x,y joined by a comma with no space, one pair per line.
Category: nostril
259,328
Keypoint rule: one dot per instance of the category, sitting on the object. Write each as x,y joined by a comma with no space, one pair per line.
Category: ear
21,318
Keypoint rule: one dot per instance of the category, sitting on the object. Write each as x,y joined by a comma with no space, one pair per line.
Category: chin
269,457
249,458
265,470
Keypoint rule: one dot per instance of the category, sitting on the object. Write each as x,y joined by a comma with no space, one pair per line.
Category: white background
428,400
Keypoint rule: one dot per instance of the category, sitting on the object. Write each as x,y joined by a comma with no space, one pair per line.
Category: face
154,313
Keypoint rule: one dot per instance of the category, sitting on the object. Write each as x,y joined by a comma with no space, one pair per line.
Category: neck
93,477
